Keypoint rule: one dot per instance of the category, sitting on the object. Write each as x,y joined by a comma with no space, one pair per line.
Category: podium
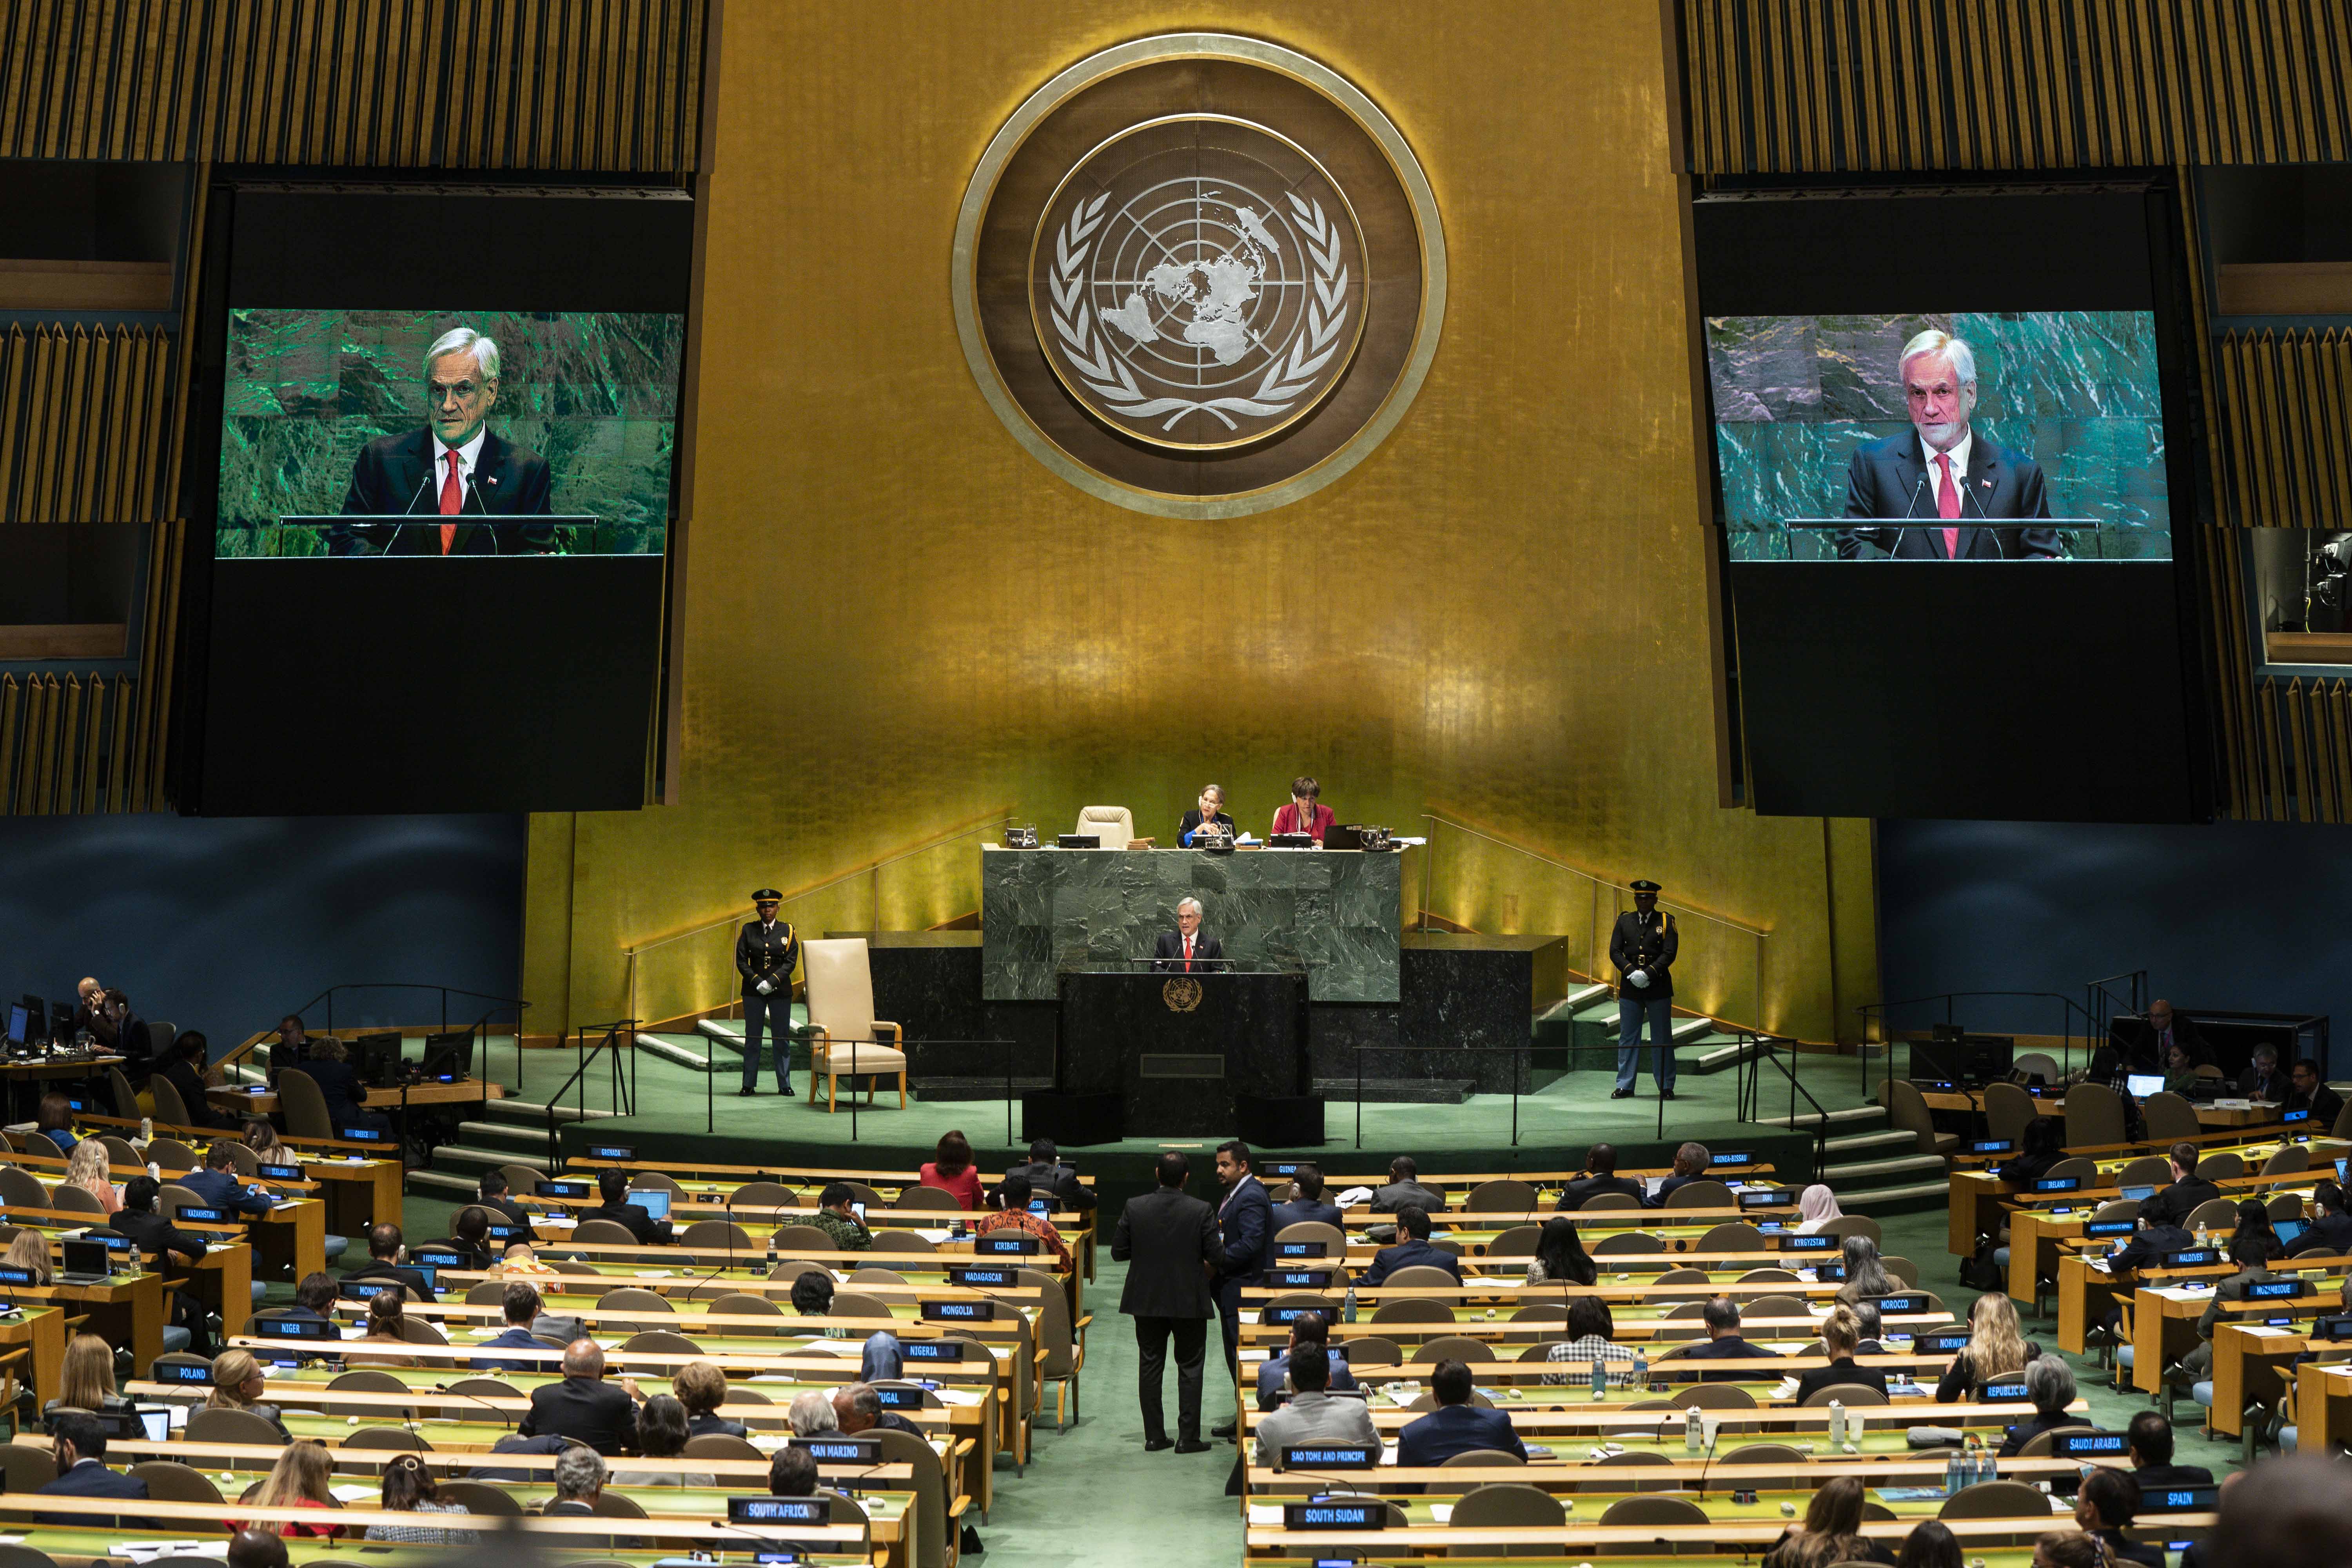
1181,1051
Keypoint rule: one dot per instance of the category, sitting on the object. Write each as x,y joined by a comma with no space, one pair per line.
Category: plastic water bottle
1599,1379
1837,1424
1971,1465
1690,1444
1991,1463
1952,1480
1348,1306
1641,1370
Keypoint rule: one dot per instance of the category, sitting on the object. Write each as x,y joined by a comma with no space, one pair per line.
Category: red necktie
452,497
1187,955
1948,505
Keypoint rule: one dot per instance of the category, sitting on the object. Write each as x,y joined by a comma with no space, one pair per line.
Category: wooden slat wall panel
82,423
64,742
1834,85
2286,426
611,86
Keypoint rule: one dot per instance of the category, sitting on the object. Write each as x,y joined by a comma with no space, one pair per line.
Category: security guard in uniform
765,952
1643,948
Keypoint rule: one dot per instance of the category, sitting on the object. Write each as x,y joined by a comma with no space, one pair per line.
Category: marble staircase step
1396,1091
950,1089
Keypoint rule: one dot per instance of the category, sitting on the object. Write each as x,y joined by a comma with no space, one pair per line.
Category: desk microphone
1909,508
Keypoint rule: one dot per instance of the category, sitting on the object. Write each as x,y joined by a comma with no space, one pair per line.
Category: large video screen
1954,473
438,435
1966,436
499,432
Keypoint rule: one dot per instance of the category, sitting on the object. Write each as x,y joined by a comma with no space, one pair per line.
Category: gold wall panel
895,621
1803,86
607,85
82,413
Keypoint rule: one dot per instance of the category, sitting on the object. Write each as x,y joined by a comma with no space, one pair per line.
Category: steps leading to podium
1396,1091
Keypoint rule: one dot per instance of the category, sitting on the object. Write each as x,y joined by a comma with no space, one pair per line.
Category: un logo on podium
1200,275
1181,994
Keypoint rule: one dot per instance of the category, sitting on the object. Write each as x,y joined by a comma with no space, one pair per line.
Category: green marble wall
596,393
1341,913
2077,392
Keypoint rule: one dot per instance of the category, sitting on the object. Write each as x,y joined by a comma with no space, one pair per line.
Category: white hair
1931,342
1194,903
812,1412
464,339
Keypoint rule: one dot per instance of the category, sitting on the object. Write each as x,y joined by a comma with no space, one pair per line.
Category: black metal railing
1750,1090
512,1006
624,1086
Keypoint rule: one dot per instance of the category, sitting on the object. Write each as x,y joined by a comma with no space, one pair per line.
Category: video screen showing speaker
1952,500
447,432
1952,436
434,441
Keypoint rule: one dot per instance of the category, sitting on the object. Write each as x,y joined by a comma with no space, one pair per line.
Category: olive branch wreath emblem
1108,375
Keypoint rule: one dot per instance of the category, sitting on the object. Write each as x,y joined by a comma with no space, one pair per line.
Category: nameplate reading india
1337,912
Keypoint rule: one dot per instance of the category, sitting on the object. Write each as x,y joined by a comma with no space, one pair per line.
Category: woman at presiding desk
1306,813
1211,810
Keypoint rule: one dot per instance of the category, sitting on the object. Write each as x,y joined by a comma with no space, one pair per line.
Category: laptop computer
85,1262
655,1201
2140,1085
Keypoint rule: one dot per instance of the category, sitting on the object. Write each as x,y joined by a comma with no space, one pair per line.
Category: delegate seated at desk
1186,950
1306,813
1211,811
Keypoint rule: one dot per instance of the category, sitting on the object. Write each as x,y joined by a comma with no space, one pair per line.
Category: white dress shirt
1960,456
468,456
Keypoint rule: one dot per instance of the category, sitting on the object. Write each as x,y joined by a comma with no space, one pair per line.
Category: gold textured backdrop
896,622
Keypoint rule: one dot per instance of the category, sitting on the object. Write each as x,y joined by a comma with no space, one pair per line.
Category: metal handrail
1751,1095
588,1055
1617,893
1003,816
479,1027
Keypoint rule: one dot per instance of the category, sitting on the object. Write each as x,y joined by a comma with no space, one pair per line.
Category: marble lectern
1338,912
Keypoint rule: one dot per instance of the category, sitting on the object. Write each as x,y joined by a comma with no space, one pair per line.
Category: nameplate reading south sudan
1181,994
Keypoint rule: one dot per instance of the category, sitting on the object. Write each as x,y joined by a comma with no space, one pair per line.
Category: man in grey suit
1315,1415
1168,1239
1403,1192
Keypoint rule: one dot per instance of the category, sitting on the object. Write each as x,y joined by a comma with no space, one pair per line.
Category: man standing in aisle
1643,948
1245,1218
765,952
1168,1239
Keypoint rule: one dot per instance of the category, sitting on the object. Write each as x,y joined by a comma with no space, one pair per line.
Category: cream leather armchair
841,1009
1114,825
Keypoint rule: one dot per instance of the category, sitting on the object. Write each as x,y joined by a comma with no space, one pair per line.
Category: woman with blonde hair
1996,1346
86,1378
29,1249
298,1480
237,1383
1831,1532
87,1168
1841,1332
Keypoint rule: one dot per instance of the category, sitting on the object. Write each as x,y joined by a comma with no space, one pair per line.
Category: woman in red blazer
1306,813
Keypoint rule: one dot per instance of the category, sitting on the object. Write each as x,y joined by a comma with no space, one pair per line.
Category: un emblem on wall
1198,282
1199,275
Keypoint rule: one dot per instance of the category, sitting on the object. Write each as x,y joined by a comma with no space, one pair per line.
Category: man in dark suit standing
766,950
1187,950
1942,475
79,1445
1244,1239
1642,946
1168,1239
454,468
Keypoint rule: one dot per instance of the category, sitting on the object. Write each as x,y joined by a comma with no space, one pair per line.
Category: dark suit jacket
1649,946
649,1231
1889,479
2330,1233
2324,1103
1194,820
518,1338
224,1189
2024,1432
712,1424
2120,1549
1165,1237
1843,1370
1452,1429
1408,1195
1056,1179
1731,1347
1168,949
506,1208
395,476
2146,1246
1667,1187
136,1042
1275,1370
1405,1255
761,954
1245,1234
191,1088
89,1479
598,1414
2175,1204
341,1088
1299,1212
154,1232
1572,1194
2164,1477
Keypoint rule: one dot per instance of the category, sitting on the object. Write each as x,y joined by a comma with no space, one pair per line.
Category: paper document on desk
352,1492
558,1221
2184,1293
1441,1512
935,1237
1266,1514
2264,1331
963,1397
